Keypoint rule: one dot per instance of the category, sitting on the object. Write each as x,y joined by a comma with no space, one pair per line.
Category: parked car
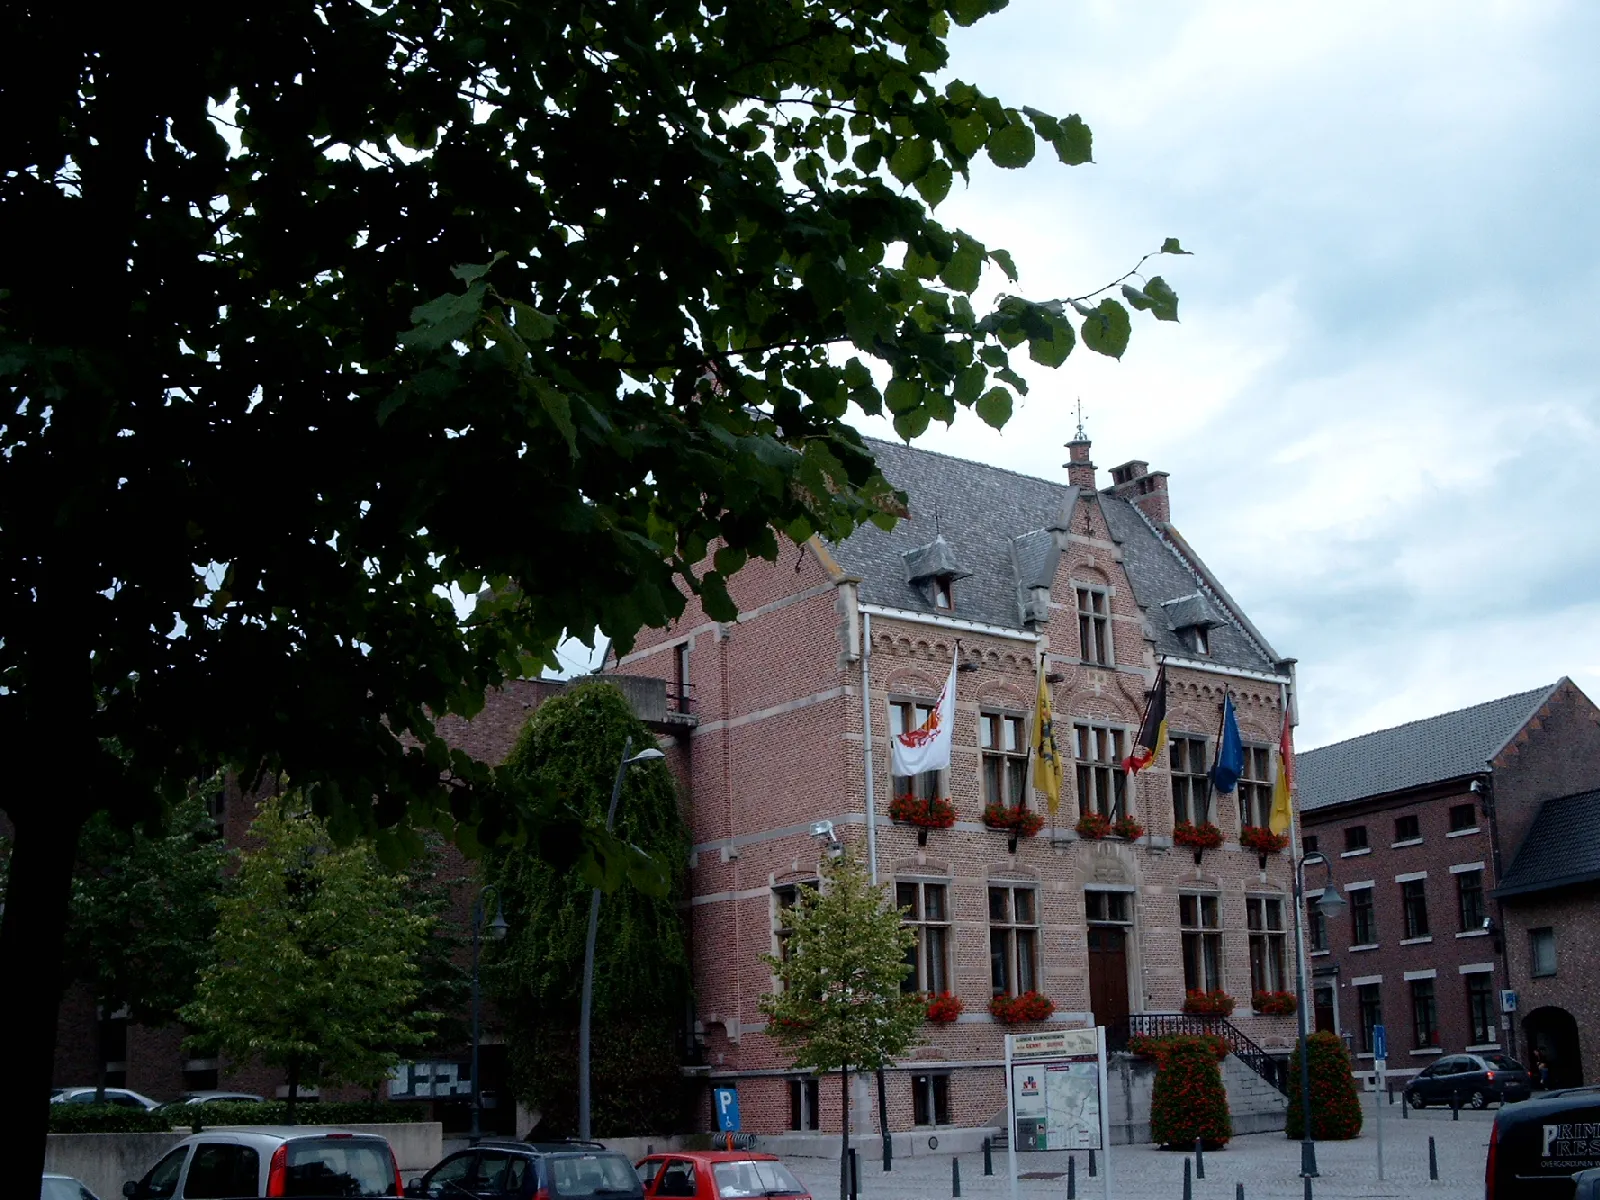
1470,1081
1537,1148
267,1160
64,1187
219,1098
121,1096
548,1170
717,1175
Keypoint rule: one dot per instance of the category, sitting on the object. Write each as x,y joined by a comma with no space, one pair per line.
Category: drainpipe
866,743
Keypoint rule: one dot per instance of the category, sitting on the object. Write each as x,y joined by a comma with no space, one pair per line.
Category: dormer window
1197,638
942,596
932,571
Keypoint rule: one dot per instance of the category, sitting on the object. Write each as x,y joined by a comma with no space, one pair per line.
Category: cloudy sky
1380,410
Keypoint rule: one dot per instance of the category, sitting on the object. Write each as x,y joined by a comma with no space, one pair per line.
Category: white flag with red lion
927,747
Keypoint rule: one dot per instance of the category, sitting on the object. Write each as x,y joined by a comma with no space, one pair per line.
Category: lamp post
497,930
1330,904
650,754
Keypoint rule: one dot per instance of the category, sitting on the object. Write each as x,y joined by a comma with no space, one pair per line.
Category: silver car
123,1097
271,1160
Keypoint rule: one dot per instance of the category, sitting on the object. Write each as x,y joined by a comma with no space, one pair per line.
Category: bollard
955,1178
1455,1106
855,1174
1238,1191
1188,1187
1308,1187
649,1149
1199,1159
1072,1177
1433,1163
1092,1171
988,1159
1405,1108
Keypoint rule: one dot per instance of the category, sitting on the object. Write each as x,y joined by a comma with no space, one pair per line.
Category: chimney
1080,471
1145,489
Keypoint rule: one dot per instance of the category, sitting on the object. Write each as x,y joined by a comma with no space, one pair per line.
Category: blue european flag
1229,766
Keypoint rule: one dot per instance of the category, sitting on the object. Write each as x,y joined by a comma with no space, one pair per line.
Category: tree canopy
302,303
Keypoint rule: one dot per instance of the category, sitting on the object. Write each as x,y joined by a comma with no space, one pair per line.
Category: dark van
1537,1146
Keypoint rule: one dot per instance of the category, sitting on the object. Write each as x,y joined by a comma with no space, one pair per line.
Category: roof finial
1080,436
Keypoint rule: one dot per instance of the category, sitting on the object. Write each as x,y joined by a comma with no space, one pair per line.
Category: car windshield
59,1188
340,1167
1501,1063
753,1177
592,1175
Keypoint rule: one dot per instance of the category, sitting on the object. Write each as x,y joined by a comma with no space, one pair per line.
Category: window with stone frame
1369,1010
1186,759
1094,626
904,716
1003,745
1408,828
805,1107
1316,924
925,909
1542,952
1268,943
1255,787
1414,907
1424,1014
1363,918
1469,899
930,1099
1013,940
1200,926
784,897
1480,1008
1463,817
1355,838
1099,751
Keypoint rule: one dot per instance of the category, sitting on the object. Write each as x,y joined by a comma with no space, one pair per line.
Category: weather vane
1080,436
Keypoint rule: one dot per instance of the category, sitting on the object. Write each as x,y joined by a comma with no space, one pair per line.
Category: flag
1229,764
927,747
1152,737
1047,766
1282,790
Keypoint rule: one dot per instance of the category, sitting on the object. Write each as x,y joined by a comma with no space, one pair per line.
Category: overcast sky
1380,409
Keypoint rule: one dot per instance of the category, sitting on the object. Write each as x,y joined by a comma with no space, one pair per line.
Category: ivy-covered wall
572,745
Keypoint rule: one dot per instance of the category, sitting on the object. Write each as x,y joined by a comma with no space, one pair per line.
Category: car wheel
1477,1100
1415,1100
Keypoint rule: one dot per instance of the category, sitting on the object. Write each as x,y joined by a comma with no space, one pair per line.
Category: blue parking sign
1380,1042
726,1100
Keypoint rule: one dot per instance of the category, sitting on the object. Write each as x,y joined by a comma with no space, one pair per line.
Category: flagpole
1216,754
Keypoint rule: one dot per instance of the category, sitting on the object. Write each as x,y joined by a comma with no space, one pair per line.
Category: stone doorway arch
1554,1033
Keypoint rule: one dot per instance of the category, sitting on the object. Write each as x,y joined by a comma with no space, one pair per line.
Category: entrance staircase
1272,1068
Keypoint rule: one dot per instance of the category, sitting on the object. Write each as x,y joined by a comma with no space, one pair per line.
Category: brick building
1420,824
1003,571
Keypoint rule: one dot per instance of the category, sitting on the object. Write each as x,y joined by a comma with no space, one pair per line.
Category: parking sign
1380,1042
727,1103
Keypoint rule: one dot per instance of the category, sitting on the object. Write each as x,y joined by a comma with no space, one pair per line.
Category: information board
1055,1090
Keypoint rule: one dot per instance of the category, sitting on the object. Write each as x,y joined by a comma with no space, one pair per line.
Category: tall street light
497,930
650,754
1330,904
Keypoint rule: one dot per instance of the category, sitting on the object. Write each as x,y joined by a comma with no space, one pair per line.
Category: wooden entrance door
1108,974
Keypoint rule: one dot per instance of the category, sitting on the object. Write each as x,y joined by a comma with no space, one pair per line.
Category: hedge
107,1118
1335,1106
276,1112
1189,1100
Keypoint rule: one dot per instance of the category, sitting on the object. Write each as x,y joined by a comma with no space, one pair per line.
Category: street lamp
1330,904
497,930
650,754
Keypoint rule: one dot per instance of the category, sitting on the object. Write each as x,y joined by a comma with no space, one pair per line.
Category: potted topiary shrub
1189,1102
1335,1106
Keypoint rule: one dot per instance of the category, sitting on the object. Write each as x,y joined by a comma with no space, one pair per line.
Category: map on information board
1057,1104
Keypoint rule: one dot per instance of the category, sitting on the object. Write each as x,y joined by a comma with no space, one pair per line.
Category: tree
573,743
1189,1101
315,966
143,910
839,1005
310,293
1335,1103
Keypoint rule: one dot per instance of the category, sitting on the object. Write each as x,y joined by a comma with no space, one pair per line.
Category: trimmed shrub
107,1118
1143,1045
276,1112
1335,1106
1189,1100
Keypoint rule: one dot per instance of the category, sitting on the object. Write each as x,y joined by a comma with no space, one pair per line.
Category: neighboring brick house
1418,822
1002,569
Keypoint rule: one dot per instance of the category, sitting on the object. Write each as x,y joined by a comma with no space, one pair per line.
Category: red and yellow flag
1283,788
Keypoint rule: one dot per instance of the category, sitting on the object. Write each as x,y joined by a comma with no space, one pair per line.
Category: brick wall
1570,914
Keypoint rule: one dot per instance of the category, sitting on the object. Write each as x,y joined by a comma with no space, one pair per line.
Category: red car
717,1175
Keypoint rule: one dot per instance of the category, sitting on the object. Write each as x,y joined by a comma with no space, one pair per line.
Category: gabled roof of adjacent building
1431,750
1562,847
1003,528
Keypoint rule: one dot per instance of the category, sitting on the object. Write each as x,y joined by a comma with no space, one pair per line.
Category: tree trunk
100,1023
32,938
844,1124
294,1088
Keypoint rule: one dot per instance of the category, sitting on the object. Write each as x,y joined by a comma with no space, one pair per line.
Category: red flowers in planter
1024,822
943,1007
1093,825
1013,1010
1262,840
937,813
1275,1004
1204,836
1215,1003
1144,1045
1128,828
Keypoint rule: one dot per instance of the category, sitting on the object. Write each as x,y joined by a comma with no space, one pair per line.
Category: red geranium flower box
1215,1003
1128,829
1275,1004
1024,822
1204,836
1262,840
943,1007
937,813
1093,826
1014,1010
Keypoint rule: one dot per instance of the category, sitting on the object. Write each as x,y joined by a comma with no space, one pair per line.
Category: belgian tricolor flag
1152,736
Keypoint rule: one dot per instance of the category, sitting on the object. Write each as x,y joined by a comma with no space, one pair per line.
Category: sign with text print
726,1102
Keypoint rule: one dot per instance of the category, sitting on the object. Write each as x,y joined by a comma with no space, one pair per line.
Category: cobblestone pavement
1268,1165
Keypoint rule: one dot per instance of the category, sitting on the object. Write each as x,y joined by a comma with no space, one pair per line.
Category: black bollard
1433,1162
955,1178
649,1149
1072,1177
1455,1106
1188,1187
1405,1108
988,1159
1092,1171
1199,1159
855,1174
1238,1191
1308,1187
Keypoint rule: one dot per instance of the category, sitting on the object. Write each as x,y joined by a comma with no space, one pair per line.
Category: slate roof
999,526
1562,847
1426,751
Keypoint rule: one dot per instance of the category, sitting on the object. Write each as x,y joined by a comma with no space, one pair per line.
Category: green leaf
902,395
445,319
969,12
965,267
714,598
969,383
934,183
1163,300
994,407
1002,259
1135,297
910,159
969,133
1012,145
913,424
856,374
1052,351
1106,329
1170,246
559,409
532,324
1074,144
472,272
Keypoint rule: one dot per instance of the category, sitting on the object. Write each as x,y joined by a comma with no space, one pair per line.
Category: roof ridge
1544,690
971,462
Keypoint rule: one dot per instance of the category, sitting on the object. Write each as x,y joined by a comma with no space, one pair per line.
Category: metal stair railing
1272,1068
